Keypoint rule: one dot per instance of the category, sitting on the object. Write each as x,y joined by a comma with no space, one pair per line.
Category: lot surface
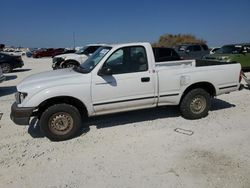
135,149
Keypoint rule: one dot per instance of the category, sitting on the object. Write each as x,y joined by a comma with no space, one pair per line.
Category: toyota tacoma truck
118,78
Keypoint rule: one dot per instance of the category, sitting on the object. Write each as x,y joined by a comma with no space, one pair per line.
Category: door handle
145,79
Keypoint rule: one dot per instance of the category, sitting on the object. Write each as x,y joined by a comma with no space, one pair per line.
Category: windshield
182,47
80,50
229,50
93,60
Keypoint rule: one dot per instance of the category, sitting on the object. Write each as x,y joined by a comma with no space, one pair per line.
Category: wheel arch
63,99
207,86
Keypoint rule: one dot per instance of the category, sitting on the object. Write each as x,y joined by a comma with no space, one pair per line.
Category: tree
170,40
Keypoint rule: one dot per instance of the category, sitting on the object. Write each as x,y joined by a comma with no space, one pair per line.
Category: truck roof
128,44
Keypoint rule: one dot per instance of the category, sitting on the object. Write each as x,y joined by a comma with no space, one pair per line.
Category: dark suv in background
10,62
192,51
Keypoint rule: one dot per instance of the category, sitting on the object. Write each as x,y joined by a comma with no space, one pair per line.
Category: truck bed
201,63
189,63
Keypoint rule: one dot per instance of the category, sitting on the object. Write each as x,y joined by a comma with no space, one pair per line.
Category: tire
6,67
60,122
195,104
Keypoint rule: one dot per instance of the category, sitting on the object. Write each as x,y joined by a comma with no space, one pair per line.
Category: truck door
127,84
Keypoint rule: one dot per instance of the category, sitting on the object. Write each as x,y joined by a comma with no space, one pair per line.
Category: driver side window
128,60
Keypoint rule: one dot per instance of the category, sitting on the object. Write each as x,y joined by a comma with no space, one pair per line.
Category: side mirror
187,51
105,71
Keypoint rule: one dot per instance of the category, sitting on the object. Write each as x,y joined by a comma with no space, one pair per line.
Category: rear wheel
6,67
60,122
195,104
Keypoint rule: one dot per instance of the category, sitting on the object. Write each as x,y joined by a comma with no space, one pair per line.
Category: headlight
20,97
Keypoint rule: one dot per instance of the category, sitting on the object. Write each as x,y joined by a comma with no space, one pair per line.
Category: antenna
74,40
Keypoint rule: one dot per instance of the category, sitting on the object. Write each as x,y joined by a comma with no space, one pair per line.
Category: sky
52,23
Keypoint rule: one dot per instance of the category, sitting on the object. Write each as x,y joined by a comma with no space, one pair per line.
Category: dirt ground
134,149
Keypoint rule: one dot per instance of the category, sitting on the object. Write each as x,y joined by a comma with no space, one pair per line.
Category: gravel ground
134,149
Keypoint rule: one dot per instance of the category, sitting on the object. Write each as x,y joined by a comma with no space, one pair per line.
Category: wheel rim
61,123
198,104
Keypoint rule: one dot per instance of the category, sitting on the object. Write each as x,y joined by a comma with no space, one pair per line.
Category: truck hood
53,78
71,56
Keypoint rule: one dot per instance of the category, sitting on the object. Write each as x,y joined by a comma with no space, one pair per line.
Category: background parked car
165,54
233,52
30,51
213,50
50,52
68,51
10,62
2,77
15,52
74,59
192,51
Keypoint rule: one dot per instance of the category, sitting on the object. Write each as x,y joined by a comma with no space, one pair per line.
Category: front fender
82,94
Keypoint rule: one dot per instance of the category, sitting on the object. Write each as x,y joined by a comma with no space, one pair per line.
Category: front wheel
195,104
60,122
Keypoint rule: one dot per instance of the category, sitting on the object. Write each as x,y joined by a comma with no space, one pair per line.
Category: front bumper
18,64
54,66
21,115
57,61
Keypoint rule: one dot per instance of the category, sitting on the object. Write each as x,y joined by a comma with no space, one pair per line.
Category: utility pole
74,40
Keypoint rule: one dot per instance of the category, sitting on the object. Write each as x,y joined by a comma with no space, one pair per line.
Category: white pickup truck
119,78
74,59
